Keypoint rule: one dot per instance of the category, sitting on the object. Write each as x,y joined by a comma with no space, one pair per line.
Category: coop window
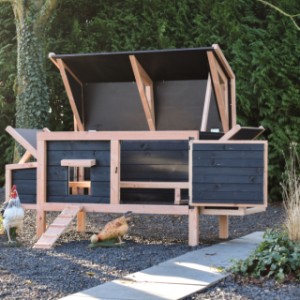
79,175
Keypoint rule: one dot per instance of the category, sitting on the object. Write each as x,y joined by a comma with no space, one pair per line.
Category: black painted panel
154,157
57,188
154,145
228,147
154,172
228,173
78,146
25,187
147,196
229,162
100,174
24,174
247,133
198,171
78,199
25,180
100,189
179,104
28,199
228,178
226,187
57,173
113,106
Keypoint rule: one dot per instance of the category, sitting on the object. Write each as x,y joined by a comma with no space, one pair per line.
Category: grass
291,194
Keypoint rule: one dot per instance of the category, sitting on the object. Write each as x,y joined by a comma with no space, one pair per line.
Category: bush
276,257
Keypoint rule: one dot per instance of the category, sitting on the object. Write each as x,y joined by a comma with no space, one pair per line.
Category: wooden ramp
57,227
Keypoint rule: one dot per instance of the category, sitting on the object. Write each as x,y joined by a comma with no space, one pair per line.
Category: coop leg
223,227
194,226
40,222
81,221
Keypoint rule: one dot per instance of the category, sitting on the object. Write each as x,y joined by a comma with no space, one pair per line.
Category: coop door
232,173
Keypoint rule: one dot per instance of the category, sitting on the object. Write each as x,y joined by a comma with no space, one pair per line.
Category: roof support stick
70,94
145,88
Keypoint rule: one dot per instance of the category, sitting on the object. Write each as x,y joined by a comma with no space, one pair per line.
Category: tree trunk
32,99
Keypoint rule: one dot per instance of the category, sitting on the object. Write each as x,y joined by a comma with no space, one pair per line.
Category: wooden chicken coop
155,133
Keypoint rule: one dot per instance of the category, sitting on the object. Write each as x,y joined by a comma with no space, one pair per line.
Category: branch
45,12
282,12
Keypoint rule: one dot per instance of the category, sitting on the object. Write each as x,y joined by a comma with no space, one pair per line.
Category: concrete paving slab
178,277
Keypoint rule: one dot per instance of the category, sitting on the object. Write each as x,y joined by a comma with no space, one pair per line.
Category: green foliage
276,257
260,44
8,56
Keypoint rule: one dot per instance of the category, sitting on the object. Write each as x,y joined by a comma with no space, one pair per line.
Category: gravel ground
27,273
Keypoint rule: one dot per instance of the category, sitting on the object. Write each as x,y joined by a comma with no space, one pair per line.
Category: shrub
276,257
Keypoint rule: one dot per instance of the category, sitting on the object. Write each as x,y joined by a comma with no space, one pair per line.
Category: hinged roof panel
170,64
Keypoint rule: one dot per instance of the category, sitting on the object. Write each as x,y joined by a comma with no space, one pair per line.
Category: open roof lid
149,90
172,64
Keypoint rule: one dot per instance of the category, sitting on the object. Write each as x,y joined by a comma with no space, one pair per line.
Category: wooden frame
226,66
115,138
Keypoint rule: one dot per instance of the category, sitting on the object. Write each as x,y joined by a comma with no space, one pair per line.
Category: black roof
168,64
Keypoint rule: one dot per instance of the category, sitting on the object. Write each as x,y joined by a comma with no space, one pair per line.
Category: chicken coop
155,132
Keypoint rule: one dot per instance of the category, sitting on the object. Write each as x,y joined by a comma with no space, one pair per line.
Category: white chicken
13,214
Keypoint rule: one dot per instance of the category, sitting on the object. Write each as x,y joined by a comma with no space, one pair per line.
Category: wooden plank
207,99
144,82
227,154
22,141
223,60
41,187
154,185
70,94
115,172
78,162
222,106
25,157
79,184
122,208
118,135
57,227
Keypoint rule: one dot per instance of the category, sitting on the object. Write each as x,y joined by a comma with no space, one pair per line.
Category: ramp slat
57,228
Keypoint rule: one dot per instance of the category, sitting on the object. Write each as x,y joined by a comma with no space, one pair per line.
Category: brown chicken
116,228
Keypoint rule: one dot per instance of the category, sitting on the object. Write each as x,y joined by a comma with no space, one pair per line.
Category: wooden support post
223,227
8,182
206,104
81,221
194,226
115,172
41,188
145,88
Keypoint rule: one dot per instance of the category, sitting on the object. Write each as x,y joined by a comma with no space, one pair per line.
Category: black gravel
27,273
